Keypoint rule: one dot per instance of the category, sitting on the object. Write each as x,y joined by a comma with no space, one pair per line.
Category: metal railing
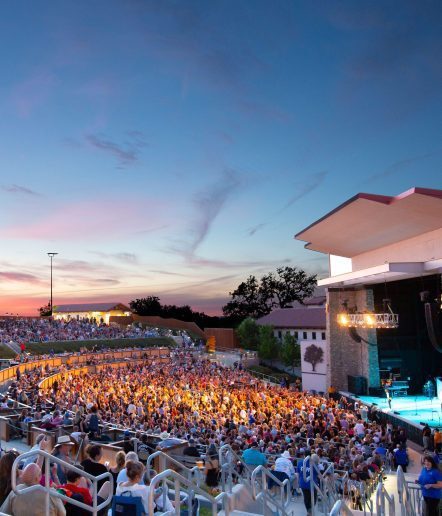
264,493
410,495
340,508
192,474
180,484
233,469
384,501
50,492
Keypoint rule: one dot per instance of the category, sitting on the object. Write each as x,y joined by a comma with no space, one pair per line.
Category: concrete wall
423,248
345,356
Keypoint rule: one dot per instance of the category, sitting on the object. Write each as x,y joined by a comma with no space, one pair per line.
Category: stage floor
416,409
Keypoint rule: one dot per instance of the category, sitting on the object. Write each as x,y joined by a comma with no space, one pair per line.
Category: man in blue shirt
253,457
306,465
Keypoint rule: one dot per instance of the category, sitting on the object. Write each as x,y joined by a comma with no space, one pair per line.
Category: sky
173,148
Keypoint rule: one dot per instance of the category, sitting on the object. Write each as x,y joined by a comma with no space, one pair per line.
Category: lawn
42,348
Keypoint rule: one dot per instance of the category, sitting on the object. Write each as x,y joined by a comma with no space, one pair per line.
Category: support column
345,356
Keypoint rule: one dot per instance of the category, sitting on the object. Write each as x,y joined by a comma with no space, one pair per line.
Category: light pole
51,255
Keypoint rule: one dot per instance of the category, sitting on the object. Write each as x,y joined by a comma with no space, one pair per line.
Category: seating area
199,444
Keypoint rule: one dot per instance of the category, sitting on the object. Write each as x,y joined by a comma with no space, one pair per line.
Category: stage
415,409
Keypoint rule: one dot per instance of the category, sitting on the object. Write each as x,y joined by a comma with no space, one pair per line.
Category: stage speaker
357,384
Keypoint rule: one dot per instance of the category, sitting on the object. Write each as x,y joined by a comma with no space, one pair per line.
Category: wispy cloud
124,257
301,190
20,277
313,182
17,189
208,204
127,152
398,166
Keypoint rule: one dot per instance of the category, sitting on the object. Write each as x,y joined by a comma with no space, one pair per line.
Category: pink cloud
88,219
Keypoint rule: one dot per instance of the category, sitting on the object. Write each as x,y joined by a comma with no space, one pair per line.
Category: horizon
174,148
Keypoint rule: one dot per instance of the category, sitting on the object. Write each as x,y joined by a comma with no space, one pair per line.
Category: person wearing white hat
283,464
62,450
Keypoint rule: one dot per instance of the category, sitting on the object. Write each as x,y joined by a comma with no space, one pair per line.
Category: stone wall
345,356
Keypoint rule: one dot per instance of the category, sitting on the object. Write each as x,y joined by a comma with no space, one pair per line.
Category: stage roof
367,222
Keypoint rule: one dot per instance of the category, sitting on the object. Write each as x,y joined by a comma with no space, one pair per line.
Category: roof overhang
367,222
385,272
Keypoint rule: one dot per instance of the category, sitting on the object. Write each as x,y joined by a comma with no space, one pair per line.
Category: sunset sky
172,148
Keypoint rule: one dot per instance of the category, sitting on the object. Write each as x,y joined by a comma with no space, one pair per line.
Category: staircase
13,346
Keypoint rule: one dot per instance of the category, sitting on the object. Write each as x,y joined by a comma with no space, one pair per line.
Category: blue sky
174,148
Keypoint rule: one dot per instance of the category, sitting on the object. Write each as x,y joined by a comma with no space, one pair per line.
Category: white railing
50,492
260,477
233,469
410,495
340,508
191,489
384,501
192,474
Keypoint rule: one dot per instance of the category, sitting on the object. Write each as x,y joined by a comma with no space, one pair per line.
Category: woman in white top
135,472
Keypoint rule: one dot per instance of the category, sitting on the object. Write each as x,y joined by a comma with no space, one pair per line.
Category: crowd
210,405
23,330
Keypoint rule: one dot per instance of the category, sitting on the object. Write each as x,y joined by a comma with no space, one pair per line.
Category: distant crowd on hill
48,330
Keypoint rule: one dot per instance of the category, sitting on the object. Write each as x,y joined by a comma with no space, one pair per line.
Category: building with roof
384,287
99,311
307,323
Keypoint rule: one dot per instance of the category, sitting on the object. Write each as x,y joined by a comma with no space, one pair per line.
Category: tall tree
290,351
248,334
288,285
268,348
45,310
248,300
146,306
253,298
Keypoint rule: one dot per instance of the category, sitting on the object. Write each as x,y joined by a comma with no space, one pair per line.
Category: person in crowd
120,462
31,503
426,438
62,450
92,464
400,456
307,474
122,475
211,467
6,463
283,464
437,438
191,450
134,483
430,480
73,485
253,457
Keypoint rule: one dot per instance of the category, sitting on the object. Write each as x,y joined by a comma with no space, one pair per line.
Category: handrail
284,485
48,458
227,467
192,472
382,496
194,489
410,495
340,508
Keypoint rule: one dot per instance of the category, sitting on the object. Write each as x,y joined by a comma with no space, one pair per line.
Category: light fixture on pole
51,256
